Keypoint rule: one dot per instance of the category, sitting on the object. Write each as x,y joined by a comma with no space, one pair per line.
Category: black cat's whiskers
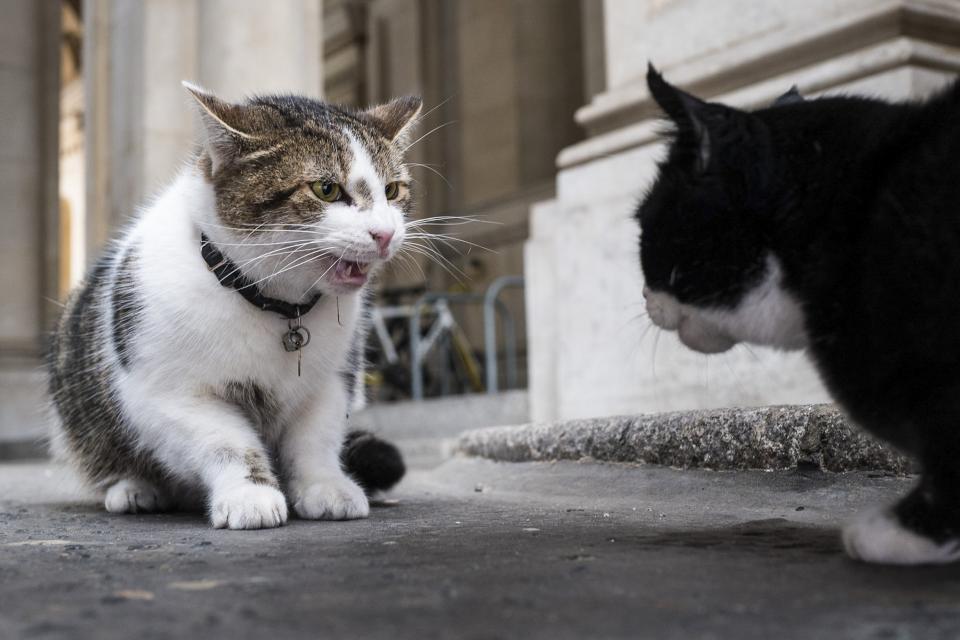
737,381
653,359
752,353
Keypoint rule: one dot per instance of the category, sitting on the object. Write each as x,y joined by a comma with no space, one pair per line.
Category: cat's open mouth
351,273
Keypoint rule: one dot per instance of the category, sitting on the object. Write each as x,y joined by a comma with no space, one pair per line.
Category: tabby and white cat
831,225
214,350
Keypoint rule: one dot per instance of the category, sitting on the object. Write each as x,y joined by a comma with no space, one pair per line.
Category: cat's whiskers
310,257
274,252
322,275
424,136
752,353
422,116
432,250
262,244
407,263
267,228
448,221
432,254
448,240
653,360
429,168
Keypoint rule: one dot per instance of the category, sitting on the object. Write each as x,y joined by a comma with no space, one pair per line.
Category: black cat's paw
879,537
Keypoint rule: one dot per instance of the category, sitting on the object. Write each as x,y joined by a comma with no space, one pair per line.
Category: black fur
356,364
82,387
859,200
127,307
375,464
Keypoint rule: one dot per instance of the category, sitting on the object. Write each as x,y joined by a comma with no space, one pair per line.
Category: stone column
592,352
251,46
140,119
29,77
139,124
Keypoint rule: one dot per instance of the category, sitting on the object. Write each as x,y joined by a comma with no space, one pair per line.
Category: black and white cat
214,351
831,225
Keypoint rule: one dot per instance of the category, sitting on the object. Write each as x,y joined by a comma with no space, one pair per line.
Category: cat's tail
375,464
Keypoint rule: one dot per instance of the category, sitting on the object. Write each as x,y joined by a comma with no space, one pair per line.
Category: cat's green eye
392,190
327,191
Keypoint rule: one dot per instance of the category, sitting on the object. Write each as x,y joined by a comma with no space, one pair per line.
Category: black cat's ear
790,97
691,114
225,125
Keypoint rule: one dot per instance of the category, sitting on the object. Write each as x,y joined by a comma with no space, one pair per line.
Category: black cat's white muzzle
694,331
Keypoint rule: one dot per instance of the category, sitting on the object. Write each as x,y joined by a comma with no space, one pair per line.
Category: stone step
777,437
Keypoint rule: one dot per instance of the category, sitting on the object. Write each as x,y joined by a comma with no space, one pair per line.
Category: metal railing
444,330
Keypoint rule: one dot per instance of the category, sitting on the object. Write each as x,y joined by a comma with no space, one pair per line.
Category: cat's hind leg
923,528
133,495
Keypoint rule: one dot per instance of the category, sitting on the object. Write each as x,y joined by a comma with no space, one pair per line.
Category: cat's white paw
134,496
336,499
248,506
878,537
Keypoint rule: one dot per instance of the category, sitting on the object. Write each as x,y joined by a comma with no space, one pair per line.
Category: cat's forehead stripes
256,154
299,141
364,181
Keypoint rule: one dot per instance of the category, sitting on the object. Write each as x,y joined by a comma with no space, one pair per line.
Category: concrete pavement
477,549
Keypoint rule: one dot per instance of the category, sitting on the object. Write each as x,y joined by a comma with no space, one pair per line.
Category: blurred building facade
537,122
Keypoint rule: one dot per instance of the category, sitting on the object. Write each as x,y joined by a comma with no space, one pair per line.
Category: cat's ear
790,97
692,115
395,118
225,125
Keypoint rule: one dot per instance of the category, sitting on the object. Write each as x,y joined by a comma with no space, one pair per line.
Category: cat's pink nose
382,238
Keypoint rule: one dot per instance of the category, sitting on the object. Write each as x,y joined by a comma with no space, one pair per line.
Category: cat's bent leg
923,528
204,438
318,486
133,495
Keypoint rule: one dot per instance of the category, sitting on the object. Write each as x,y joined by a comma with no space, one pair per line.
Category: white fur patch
336,499
362,170
879,538
248,506
767,315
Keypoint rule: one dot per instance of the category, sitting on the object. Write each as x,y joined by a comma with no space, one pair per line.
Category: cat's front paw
248,506
336,499
879,537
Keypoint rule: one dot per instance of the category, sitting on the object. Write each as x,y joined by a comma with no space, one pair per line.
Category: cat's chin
702,337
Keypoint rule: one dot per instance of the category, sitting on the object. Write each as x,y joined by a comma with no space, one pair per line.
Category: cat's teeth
364,267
